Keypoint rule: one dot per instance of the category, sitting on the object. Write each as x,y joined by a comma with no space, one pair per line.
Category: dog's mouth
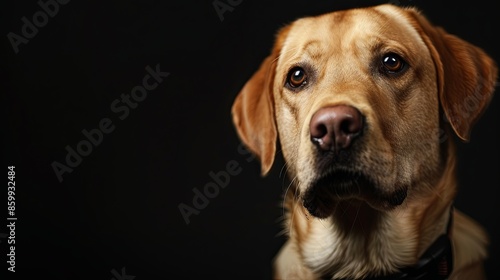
321,197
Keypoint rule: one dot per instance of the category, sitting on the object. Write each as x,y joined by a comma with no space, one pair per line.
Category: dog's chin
323,195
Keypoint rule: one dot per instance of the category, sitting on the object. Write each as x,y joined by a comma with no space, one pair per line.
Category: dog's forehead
349,29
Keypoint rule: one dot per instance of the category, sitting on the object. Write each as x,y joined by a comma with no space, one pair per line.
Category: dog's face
356,108
355,98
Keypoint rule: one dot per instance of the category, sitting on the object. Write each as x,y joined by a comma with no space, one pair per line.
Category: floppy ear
466,76
253,109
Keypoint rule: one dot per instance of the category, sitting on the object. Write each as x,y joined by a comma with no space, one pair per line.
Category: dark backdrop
116,214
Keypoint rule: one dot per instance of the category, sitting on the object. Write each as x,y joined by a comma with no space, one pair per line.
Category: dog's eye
296,77
392,63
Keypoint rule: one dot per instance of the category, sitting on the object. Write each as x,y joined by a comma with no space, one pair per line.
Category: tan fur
447,84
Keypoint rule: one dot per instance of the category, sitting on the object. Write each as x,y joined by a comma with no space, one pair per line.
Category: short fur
407,141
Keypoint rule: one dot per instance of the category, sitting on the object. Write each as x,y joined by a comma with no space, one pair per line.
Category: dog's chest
328,250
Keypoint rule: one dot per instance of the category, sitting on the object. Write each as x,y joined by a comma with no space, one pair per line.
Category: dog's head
360,100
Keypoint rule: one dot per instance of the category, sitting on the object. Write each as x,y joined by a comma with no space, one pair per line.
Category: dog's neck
357,240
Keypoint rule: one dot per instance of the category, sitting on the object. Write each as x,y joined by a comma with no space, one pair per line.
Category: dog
365,104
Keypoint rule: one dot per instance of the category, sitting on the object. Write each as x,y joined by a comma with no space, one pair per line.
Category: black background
119,207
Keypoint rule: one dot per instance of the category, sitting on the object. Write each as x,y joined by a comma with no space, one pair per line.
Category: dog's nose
334,128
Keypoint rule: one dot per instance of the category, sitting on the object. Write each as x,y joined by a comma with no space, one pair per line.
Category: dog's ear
253,109
466,75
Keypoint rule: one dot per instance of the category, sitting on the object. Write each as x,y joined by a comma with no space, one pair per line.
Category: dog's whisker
355,218
285,195
290,231
284,53
281,171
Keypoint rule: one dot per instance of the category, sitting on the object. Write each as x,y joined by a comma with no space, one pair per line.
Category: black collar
435,264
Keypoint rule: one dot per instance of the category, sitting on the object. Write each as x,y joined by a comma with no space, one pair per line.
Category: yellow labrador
364,103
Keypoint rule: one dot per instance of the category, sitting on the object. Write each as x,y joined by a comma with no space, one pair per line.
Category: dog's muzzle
333,131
